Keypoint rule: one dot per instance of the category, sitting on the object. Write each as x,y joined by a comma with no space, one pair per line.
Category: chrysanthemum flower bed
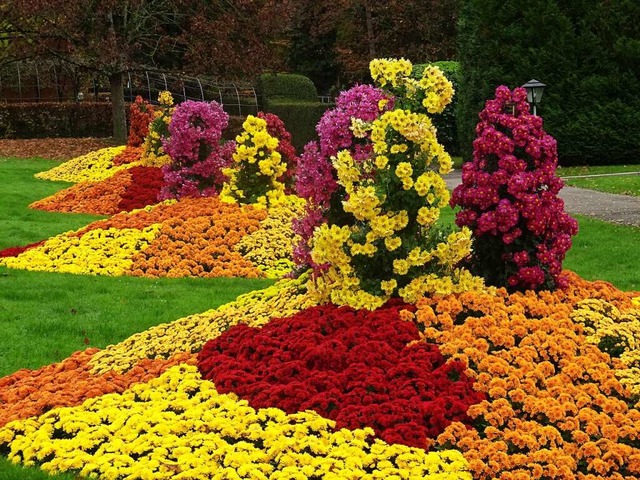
126,190
199,237
547,402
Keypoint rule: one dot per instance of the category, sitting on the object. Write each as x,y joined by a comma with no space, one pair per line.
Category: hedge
52,119
295,100
585,52
300,118
278,86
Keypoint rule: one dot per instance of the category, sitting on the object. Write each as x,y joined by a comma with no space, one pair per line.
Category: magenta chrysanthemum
509,198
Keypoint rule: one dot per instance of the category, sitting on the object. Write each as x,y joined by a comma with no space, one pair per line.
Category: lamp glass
534,90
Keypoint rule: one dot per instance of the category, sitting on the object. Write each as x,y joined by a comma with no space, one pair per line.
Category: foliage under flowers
128,189
391,244
355,367
153,153
257,166
197,154
179,427
509,198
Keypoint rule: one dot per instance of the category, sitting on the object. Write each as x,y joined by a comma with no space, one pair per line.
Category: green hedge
274,86
300,118
295,100
446,122
51,119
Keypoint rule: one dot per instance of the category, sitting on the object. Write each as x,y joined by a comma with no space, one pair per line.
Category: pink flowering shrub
316,177
197,154
509,198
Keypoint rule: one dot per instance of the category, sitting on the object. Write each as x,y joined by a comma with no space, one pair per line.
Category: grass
623,185
46,316
606,251
596,170
620,184
22,225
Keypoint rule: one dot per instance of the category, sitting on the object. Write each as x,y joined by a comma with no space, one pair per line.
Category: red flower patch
353,366
15,251
143,189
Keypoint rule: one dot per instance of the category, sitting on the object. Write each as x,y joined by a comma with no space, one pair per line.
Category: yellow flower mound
271,247
97,252
615,332
253,177
92,167
153,154
179,427
188,334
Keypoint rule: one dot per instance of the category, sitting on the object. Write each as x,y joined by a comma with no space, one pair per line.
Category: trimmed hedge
295,100
52,119
446,122
273,86
299,117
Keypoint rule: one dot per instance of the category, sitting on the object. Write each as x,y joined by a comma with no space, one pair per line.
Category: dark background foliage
586,51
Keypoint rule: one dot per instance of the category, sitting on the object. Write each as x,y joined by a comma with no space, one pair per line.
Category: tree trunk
117,107
371,39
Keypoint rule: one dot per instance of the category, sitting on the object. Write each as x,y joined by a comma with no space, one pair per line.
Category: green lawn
596,170
627,183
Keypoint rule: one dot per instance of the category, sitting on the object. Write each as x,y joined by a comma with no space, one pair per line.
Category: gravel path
621,209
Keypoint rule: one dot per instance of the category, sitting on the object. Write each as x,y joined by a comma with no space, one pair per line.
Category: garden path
621,209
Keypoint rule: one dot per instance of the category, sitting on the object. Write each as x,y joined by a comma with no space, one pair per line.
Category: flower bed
196,237
126,190
92,167
546,400
457,380
358,368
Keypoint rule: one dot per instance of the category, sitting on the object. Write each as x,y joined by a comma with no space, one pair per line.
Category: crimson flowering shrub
196,152
357,367
141,114
509,198
276,128
144,188
316,180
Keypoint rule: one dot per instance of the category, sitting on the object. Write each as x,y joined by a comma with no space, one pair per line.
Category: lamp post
534,90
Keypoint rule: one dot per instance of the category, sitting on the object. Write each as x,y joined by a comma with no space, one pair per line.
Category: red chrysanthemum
357,367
